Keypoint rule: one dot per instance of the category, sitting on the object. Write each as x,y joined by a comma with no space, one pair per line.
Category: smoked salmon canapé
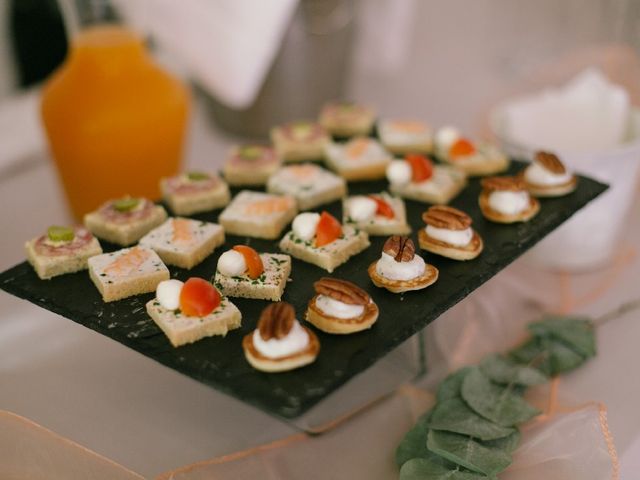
187,312
361,158
243,272
250,165
125,220
127,272
61,250
184,242
194,192
258,214
346,119
405,136
299,141
376,214
320,239
310,184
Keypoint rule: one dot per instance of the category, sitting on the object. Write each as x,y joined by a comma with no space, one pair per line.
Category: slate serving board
220,363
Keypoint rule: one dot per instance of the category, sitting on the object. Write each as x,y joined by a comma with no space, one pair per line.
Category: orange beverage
115,121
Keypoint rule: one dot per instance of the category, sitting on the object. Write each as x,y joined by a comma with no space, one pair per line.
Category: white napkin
587,114
227,46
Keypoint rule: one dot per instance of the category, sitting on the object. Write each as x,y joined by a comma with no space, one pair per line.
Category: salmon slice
303,172
181,230
357,147
409,126
127,263
268,206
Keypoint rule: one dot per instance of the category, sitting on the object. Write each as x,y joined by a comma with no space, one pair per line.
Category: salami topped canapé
250,165
194,192
300,141
125,220
61,250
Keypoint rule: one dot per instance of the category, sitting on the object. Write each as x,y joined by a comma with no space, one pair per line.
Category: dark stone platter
220,363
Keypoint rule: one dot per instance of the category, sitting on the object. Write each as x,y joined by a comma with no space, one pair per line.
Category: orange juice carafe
115,121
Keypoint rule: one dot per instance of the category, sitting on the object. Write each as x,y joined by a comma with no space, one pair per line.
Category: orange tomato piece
329,229
461,148
384,209
421,167
198,298
254,263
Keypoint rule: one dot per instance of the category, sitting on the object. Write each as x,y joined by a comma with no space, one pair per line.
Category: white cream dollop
388,267
304,226
336,308
399,172
536,174
508,202
232,264
362,208
295,341
168,294
445,137
458,238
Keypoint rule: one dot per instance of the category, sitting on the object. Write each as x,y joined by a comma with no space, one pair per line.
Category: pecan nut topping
276,321
341,290
513,184
400,248
446,217
550,162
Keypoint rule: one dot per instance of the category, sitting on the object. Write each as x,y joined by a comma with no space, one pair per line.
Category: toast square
441,188
184,242
258,214
194,192
181,329
124,228
361,158
299,141
127,272
405,136
379,224
330,256
310,184
488,159
346,119
250,165
269,286
50,259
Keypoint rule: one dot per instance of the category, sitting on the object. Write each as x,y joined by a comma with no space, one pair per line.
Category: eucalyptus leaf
428,469
508,444
466,452
576,333
496,403
503,370
450,386
414,443
454,415
561,357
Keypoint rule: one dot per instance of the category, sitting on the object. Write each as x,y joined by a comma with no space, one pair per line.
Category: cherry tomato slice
461,148
198,298
252,259
328,230
384,209
421,167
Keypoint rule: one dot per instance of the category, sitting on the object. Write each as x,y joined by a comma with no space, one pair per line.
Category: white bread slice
269,286
123,234
141,269
445,184
245,215
47,266
380,225
181,329
310,184
185,252
487,160
328,257
361,158
196,201
298,150
399,140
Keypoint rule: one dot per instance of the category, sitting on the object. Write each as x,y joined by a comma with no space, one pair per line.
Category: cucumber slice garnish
57,233
197,176
126,204
250,153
